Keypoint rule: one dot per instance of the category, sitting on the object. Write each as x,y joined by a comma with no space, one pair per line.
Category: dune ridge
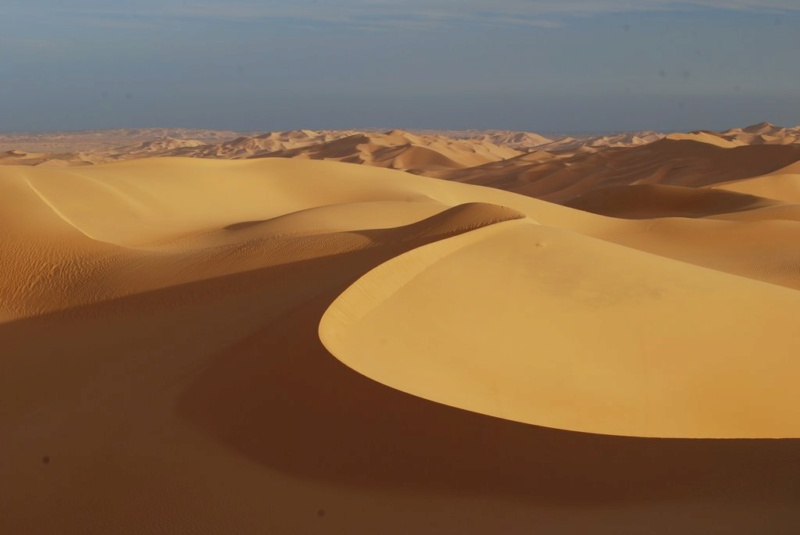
557,169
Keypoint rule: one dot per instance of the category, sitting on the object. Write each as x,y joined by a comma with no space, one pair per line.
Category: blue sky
551,65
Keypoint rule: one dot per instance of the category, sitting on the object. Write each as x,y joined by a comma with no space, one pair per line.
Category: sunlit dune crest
577,334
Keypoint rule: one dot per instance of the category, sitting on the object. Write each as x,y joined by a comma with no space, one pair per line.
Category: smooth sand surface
648,201
783,185
492,363
573,333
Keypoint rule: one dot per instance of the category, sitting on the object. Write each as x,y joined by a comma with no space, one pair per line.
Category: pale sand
783,184
707,137
573,333
161,369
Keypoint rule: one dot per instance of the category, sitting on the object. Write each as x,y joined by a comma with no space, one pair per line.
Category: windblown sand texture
292,345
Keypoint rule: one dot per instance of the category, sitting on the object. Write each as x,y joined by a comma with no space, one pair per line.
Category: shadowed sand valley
402,332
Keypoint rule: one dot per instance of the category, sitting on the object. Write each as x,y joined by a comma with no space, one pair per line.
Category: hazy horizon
384,128
567,66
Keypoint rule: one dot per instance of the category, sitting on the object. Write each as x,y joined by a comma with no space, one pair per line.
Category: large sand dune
573,333
299,346
679,162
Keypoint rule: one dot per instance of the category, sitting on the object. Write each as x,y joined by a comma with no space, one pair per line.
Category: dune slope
577,334
686,161
648,201
783,184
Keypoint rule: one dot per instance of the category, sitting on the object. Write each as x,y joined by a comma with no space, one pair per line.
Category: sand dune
711,138
95,147
627,372
648,201
673,162
490,360
783,184
589,143
255,146
516,140
763,133
99,140
397,149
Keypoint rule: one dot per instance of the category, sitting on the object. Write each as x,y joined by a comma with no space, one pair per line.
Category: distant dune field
390,333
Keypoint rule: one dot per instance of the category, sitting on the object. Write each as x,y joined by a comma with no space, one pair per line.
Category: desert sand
366,332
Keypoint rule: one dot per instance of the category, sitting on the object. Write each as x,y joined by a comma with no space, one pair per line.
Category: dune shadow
649,201
244,225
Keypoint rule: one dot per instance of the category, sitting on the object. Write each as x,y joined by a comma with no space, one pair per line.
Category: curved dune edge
705,137
650,201
543,326
782,186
